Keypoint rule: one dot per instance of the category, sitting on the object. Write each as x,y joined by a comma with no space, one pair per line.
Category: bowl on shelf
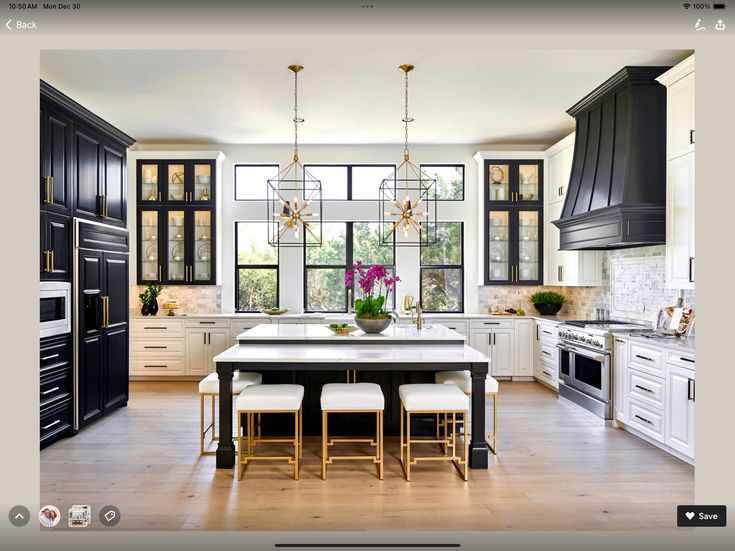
496,222
203,179
527,196
176,196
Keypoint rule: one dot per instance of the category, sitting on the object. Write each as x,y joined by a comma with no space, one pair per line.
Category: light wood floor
558,468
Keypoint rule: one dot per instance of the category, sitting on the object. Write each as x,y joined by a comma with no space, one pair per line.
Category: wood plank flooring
558,468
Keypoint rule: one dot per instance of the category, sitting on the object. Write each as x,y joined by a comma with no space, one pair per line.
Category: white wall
291,261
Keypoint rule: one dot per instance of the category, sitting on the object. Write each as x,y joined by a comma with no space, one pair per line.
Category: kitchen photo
385,290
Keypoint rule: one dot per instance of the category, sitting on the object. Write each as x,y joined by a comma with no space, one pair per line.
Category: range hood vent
617,189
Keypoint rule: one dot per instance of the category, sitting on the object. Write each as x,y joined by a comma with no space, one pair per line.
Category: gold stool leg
201,424
401,437
239,446
301,434
296,445
408,446
214,429
466,449
324,445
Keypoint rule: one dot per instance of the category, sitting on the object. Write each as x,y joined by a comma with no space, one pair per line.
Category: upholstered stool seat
259,399
209,387
440,399
463,380
352,398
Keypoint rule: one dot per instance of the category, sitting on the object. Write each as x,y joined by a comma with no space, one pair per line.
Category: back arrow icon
8,24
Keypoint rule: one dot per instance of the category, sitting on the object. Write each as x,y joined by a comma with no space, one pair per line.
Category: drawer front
646,388
208,323
158,366
240,326
55,387
55,353
157,328
157,348
682,359
646,358
548,353
492,324
646,419
546,332
460,326
55,421
549,373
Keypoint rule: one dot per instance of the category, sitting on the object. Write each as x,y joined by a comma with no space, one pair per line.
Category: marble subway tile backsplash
193,299
633,289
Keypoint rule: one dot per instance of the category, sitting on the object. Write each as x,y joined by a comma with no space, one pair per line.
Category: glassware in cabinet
202,266
176,246
149,264
203,178
528,247
498,249
176,182
149,188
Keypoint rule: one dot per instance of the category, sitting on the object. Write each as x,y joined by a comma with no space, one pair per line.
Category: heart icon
689,515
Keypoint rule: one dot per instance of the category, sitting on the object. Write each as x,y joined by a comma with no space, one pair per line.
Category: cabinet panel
87,173
646,388
158,348
196,352
502,352
646,419
116,367
55,247
680,223
114,189
158,327
90,384
56,142
680,116
158,366
218,341
151,246
523,361
513,246
620,378
116,288
680,396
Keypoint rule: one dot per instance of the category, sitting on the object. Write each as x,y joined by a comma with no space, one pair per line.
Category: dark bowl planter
372,325
548,309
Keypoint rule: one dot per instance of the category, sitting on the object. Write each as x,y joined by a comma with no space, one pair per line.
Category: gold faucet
418,321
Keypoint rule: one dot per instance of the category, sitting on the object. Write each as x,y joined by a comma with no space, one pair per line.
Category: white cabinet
202,345
568,268
680,124
680,223
620,377
679,82
545,355
498,345
523,364
157,347
680,396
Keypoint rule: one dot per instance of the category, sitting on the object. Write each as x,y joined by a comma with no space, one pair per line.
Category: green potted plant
370,313
547,303
149,298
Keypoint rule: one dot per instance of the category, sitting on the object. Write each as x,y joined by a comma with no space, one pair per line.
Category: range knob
589,340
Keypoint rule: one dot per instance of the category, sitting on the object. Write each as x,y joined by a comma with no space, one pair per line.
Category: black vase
547,309
153,307
145,310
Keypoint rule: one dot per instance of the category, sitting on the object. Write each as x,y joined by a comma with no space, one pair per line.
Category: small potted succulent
547,303
149,298
370,313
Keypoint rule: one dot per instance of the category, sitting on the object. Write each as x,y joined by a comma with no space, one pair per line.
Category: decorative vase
547,309
145,310
372,325
153,307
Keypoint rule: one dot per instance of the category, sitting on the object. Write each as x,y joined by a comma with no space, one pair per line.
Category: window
343,243
251,181
350,182
442,271
256,268
449,181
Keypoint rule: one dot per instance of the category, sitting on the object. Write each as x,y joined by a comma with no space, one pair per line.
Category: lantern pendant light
295,196
407,197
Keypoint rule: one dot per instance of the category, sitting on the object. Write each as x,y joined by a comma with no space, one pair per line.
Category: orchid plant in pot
376,285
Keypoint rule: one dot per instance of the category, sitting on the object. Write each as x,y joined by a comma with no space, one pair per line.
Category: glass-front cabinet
176,182
517,182
513,222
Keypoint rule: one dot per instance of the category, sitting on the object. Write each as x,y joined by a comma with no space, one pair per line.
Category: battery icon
719,6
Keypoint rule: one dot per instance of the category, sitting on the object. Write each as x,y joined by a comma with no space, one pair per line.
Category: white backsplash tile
633,289
193,299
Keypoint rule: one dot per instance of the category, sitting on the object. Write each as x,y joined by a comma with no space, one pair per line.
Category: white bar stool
209,387
436,399
463,379
352,398
259,399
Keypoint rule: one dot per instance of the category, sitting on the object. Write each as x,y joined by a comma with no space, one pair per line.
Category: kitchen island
399,352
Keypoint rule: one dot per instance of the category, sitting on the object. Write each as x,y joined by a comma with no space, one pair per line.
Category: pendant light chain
406,120
296,116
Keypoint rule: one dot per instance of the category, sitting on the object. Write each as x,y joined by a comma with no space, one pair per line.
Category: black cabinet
56,389
83,161
176,182
103,325
513,222
56,157
177,245
55,249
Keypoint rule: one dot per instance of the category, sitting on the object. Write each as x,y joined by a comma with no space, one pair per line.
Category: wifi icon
687,6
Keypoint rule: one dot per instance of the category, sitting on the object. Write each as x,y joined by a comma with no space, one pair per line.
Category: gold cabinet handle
159,196
104,205
49,184
51,254
159,273
46,261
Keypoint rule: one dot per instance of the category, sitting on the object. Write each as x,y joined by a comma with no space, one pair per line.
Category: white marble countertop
683,344
351,353
430,333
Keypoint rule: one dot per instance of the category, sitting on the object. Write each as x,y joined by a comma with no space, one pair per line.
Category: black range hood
617,189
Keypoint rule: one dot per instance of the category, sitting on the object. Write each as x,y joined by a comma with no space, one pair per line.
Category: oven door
590,373
566,361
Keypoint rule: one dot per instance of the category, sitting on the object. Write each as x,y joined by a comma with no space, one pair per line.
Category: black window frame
459,266
234,181
391,167
349,263
422,165
238,266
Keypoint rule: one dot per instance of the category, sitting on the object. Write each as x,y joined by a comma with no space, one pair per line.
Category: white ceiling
218,96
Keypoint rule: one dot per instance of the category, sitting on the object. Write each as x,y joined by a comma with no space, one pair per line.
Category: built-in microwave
55,308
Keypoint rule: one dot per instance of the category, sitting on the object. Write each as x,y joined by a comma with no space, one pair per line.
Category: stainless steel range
585,361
